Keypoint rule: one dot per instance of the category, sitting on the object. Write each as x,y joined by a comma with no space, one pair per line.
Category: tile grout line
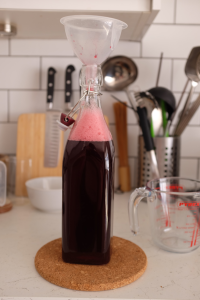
75,90
7,123
176,24
40,74
197,175
9,50
37,56
172,72
133,57
141,49
189,157
175,10
158,57
8,106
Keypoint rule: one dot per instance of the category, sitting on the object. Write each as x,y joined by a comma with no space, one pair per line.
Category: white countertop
24,230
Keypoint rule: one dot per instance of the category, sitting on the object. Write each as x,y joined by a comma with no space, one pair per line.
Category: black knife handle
50,84
68,82
145,126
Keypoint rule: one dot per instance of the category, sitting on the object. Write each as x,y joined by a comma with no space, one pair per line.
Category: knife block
30,151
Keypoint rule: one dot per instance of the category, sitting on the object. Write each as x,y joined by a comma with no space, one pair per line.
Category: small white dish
45,193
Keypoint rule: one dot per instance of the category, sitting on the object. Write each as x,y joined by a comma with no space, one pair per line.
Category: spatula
149,145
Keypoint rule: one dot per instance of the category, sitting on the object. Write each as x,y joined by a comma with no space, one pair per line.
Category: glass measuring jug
174,210
3,175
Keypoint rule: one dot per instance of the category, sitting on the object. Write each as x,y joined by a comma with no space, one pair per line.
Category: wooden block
124,179
106,119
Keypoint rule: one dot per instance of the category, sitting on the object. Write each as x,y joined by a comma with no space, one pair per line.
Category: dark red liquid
88,171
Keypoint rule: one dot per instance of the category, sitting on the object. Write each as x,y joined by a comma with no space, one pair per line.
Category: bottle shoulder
90,126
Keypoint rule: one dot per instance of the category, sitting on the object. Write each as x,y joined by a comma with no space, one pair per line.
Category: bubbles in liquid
90,126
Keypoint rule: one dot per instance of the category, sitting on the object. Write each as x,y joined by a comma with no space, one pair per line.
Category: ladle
118,73
192,71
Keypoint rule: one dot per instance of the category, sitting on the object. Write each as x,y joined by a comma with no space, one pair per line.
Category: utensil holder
168,158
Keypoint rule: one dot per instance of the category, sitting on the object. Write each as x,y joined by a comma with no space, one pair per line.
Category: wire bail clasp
85,94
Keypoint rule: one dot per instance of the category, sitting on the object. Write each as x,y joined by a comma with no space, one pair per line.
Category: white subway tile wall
19,73
60,64
174,40
8,138
41,47
147,73
132,49
189,168
4,47
3,106
23,79
187,12
167,13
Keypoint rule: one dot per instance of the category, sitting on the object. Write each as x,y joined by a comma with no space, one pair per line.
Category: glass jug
3,175
174,210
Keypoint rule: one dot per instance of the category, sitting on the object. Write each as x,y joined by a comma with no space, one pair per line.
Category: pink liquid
90,126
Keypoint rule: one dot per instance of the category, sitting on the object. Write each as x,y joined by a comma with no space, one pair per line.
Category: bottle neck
91,100
90,81
91,78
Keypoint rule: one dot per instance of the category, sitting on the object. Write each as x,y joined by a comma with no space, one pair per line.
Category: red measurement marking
168,223
172,187
195,241
189,204
192,238
95,56
181,227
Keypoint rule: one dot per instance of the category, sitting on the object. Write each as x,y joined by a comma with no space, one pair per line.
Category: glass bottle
88,175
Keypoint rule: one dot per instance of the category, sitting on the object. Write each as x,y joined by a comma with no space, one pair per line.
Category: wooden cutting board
30,151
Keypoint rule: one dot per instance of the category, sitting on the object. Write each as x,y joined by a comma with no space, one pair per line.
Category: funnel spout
91,77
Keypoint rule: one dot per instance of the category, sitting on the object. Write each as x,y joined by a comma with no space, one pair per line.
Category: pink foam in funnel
90,126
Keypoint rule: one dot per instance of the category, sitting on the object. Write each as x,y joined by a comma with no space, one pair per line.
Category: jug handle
135,198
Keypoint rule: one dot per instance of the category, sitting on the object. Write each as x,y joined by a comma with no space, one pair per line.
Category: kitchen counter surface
24,230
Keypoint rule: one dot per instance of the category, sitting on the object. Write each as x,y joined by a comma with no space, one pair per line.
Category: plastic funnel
93,38
3,175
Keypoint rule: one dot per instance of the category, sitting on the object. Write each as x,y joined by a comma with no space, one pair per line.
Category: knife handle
50,84
68,82
145,126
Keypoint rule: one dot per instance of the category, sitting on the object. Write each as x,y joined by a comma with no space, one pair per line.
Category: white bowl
45,193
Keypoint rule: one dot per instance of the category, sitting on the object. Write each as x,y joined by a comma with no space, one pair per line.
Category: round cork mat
7,207
128,262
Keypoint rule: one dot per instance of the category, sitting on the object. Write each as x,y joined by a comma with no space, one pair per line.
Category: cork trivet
128,262
7,207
